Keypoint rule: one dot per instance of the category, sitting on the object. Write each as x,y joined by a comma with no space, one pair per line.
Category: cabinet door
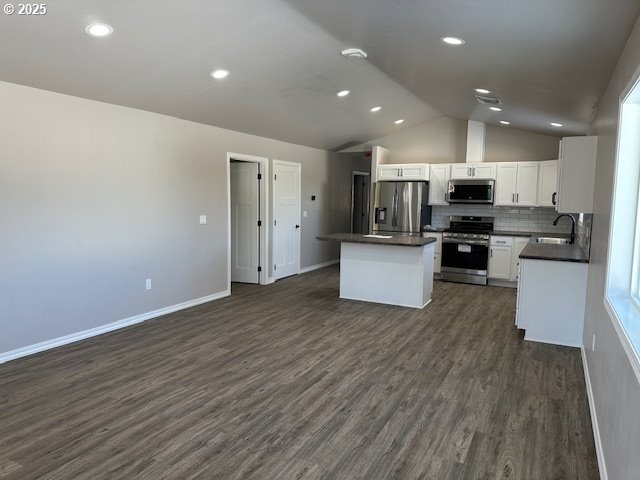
506,180
499,263
437,261
518,246
483,170
419,171
577,174
527,184
460,171
547,180
438,184
388,172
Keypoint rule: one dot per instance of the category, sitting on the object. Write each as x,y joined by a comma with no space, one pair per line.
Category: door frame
273,207
354,174
265,233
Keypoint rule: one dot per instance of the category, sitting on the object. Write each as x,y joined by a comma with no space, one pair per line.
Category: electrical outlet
593,343
203,219
148,284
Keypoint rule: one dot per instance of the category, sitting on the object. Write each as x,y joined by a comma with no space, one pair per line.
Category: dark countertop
397,240
560,253
501,233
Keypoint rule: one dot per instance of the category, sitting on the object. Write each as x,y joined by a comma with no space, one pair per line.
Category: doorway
248,252
286,219
360,201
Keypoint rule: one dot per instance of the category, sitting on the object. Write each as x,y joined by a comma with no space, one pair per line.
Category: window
622,298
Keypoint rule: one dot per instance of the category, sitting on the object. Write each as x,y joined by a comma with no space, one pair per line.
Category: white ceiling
547,61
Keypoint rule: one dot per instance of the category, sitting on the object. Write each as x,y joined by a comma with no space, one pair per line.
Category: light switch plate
304,213
203,219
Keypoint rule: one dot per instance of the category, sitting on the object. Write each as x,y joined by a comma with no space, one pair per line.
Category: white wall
504,144
445,141
616,389
94,198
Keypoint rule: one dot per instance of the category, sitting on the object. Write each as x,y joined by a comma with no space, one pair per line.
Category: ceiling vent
485,100
354,53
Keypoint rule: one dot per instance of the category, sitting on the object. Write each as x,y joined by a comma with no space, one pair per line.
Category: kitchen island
390,269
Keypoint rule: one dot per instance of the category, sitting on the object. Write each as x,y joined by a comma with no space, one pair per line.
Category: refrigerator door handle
394,208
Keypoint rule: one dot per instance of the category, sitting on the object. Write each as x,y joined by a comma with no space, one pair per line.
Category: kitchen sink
553,240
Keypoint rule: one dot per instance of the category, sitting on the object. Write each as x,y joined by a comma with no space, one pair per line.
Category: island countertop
397,240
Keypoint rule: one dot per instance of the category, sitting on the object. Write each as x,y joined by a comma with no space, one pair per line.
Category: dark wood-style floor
289,382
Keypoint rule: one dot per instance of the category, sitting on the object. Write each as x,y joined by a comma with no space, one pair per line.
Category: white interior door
245,213
286,219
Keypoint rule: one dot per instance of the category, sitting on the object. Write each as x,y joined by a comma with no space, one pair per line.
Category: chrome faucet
573,225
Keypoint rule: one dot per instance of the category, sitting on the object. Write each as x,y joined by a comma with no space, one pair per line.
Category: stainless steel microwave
471,191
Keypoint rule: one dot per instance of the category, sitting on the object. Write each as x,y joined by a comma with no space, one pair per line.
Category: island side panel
386,274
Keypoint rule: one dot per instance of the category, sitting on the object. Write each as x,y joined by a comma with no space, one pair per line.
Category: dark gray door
360,210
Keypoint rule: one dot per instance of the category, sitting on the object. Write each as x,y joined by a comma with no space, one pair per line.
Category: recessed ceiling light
398,122
452,40
376,109
357,53
495,109
483,91
220,73
504,122
343,93
556,124
99,29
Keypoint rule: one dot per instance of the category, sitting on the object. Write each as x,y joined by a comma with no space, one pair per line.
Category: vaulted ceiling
547,61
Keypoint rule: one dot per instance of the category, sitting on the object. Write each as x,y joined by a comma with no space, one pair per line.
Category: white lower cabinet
500,258
518,245
437,249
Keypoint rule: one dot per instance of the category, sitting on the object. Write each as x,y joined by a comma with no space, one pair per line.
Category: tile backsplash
505,218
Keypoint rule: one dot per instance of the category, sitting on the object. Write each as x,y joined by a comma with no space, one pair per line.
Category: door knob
297,226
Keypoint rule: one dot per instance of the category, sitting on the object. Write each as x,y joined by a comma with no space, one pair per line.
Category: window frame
622,280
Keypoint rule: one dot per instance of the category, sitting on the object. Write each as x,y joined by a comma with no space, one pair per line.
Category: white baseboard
594,419
109,327
319,266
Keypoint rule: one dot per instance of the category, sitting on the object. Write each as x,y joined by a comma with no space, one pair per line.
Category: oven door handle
465,242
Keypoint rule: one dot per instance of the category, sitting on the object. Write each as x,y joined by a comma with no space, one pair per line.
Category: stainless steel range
465,250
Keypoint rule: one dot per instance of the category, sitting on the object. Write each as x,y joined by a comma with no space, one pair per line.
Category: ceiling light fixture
495,109
398,122
343,93
483,91
556,124
504,122
356,53
99,30
453,40
220,73
376,109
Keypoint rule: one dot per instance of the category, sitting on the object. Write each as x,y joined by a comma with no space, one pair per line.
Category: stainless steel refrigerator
401,208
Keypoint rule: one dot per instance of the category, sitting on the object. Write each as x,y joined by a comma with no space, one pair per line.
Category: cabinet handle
513,198
517,198
473,171
491,253
553,198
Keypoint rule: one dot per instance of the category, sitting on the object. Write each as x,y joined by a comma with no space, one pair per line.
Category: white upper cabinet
403,172
516,184
439,183
473,170
577,173
547,183
506,181
527,184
